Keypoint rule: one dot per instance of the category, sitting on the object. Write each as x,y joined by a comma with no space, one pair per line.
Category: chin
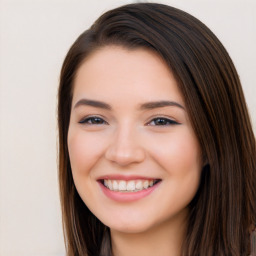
129,229
130,226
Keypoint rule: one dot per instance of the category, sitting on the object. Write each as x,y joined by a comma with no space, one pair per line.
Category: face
135,160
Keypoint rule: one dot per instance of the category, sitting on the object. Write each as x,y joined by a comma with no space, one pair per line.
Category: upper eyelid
82,120
171,120
147,122
155,116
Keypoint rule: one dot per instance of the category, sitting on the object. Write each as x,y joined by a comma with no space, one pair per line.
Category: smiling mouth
129,186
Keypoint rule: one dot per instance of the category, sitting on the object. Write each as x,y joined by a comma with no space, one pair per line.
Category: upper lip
126,177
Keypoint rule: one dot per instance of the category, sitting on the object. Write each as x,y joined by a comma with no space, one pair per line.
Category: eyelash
95,120
91,119
163,121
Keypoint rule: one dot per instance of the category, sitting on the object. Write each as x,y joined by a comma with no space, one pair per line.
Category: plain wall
34,38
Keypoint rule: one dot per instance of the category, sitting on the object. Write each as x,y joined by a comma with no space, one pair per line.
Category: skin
130,140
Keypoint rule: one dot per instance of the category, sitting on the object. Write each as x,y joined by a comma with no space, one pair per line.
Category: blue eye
93,120
162,121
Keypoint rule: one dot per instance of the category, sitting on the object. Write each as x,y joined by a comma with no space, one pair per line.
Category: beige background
34,38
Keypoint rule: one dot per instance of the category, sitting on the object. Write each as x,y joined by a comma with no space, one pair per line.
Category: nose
125,148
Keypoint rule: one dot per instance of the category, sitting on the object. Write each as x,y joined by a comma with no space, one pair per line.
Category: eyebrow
144,106
160,104
93,103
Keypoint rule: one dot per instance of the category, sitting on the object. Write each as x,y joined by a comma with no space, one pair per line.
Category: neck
165,239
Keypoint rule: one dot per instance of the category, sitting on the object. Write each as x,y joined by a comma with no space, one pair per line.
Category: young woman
156,151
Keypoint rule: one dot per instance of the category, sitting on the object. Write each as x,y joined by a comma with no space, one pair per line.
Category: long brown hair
223,211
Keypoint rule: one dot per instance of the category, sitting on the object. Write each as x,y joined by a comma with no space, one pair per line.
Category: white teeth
145,184
122,185
131,185
110,186
139,185
115,185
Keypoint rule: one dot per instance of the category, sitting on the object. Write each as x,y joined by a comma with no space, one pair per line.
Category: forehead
114,70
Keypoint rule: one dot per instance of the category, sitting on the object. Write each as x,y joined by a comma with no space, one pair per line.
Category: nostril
125,155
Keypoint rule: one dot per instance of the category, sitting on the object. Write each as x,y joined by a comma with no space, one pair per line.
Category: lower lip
127,196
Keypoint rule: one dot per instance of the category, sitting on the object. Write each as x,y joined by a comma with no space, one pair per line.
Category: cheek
178,152
180,158
179,155
84,151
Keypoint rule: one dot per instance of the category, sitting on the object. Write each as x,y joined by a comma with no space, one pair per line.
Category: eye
162,121
93,120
